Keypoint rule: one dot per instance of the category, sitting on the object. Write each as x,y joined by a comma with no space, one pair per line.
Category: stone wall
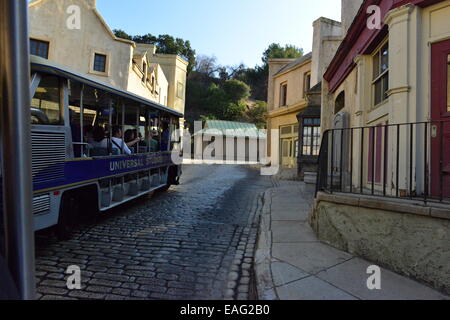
411,239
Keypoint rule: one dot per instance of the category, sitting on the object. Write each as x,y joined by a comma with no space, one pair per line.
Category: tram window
46,103
143,130
175,134
131,127
97,107
165,133
152,139
75,89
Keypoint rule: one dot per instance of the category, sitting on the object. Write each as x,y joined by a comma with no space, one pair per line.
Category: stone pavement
292,264
196,241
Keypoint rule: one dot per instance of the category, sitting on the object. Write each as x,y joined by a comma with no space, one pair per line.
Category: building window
283,95
339,103
144,70
100,62
306,83
39,48
152,84
180,90
381,74
311,137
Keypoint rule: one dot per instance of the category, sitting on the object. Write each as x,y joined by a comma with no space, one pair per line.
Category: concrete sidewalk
292,264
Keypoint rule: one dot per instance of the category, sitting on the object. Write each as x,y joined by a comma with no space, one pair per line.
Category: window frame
144,71
381,74
103,56
180,87
311,128
41,41
92,63
283,94
306,75
61,100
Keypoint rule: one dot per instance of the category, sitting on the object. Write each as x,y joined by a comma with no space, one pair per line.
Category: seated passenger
151,142
98,138
131,138
117,141
165,137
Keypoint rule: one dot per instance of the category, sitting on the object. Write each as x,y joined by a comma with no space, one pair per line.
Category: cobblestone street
195,241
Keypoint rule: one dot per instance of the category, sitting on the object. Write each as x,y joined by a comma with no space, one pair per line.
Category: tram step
133,189
118,194
145,184
155,180
105,198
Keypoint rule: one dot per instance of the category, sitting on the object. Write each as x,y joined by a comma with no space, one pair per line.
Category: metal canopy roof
43,65
230,128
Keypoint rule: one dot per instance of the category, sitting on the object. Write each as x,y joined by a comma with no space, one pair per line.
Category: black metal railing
407,160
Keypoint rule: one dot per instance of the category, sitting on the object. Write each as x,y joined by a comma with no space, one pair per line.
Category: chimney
326,31
349,9
91,3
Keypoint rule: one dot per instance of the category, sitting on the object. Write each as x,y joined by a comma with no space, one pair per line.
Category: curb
263,257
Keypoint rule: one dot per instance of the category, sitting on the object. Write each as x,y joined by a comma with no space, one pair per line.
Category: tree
236,90
122,34
206,65
234,111
277,51
257,114
223,92
165,44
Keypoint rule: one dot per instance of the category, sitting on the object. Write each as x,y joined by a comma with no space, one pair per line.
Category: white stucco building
89,46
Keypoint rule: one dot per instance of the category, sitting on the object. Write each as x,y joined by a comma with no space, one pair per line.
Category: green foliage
236,90
234,111
220,92
257,114
256,78
277,51
122,34
165,44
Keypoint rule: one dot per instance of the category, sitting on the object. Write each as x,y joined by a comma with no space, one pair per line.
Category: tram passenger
165,136
151,142
117,141
98,138
131,138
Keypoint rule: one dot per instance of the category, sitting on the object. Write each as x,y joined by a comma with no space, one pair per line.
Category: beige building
289,80
390,171
73,33
295,95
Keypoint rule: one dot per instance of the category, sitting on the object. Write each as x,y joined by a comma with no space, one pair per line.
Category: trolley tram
94,146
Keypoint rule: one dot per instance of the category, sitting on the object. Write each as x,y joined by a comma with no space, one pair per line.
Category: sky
234,31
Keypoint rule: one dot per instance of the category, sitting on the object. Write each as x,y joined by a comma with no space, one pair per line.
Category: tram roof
43,65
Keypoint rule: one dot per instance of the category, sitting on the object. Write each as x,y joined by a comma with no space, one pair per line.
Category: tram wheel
66,216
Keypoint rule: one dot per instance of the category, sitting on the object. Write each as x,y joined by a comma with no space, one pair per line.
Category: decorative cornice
400,14
286,110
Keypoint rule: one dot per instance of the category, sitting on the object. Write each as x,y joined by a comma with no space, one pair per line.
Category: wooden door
440,116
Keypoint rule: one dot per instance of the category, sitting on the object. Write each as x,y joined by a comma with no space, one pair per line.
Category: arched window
339,103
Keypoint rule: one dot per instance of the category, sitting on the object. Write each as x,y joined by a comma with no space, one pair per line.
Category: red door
440,116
